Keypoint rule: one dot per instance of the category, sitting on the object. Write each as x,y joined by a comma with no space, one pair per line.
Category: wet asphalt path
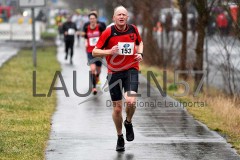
7,50
86,131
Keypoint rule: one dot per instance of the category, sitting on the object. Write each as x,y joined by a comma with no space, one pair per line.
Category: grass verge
24,119
221,113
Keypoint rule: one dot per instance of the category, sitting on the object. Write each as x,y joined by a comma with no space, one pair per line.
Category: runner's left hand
138,57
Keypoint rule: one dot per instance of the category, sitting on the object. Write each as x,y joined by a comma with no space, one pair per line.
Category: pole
206,41
34,39
164,64
207,61
162,44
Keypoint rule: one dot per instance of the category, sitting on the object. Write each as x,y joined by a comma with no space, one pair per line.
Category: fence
20,32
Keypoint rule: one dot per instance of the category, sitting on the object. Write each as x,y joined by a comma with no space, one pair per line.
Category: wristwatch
141,54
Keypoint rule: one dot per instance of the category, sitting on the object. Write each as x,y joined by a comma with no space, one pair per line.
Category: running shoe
120,143
94,91
129,131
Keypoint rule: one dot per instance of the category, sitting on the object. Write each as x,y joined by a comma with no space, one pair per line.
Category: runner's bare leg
130,105
117,116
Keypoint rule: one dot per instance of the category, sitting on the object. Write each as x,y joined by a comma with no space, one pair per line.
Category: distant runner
92,32
69,30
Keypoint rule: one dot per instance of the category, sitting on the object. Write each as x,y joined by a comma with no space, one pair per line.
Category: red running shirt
92,36
111,37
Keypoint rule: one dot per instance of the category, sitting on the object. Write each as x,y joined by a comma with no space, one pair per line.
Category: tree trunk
153,54
203,13
109,9
184,28
198,66
238,21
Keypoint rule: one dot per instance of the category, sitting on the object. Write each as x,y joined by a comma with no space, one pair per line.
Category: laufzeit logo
126,46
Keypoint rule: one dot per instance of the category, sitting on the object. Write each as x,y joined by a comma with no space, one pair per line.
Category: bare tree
109,6
228,54
149,9
154,56
91,4
237,23
203,9
184,29
227,62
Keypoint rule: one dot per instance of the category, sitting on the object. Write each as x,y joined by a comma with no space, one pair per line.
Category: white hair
119,7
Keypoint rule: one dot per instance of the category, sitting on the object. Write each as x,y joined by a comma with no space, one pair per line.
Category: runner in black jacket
69,30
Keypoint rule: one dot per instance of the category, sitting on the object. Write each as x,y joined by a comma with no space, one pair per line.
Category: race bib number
71,31
126,48
93,41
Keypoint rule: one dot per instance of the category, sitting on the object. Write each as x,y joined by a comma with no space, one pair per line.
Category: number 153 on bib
126,48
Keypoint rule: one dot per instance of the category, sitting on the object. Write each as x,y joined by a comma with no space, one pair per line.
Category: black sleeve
102,26
64,27
85,26
85,30
75,27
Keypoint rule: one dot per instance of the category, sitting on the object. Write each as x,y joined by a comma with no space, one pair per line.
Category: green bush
172,87
48,35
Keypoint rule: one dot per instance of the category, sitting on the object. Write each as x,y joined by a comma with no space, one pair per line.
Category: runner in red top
126,41
92,31
123,48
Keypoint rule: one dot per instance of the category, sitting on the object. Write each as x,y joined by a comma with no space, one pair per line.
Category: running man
92,32
122,46
69,29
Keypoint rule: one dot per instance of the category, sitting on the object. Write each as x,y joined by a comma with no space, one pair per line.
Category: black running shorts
94,60
127,80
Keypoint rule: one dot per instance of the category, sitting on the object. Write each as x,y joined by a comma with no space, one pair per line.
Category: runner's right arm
101,52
